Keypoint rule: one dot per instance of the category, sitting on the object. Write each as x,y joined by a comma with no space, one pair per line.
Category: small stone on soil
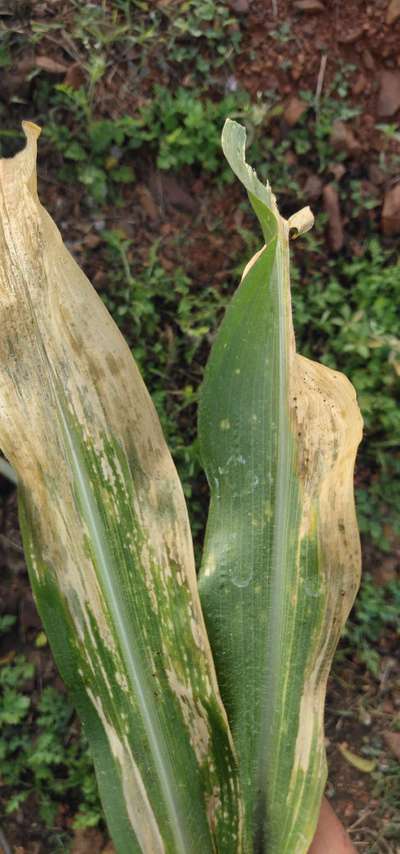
368,60
75,76
239,6
337,170
294,110
393,12
391,211
332,209
360,85
309,6
376,175
389,94
46,63
88,841
343,139
312,188
351,36
392,740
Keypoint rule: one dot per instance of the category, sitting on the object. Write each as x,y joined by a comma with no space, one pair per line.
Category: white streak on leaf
194,716
138,806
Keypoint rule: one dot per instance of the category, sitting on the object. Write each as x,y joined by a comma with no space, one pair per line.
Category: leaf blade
264,583
108,543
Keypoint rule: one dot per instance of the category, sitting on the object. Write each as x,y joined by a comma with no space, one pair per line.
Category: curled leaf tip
31,130
20,170
301,221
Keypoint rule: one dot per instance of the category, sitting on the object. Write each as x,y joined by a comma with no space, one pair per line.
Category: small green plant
6,623
96,28
179,128
309,141
187,130
93,155
181,27
208,22
330,110
362,200
5,53
390,130
376,610
42,754
347,317
283,33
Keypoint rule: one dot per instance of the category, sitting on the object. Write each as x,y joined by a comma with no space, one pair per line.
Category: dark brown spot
96,371
112,364
76,343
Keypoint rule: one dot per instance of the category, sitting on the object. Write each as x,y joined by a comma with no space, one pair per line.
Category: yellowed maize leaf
108,543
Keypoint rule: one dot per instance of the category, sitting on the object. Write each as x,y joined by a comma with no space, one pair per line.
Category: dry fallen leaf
88,841
389,94
46,63
294,110
332,209
393,12
151,210
359,762
343,138
392,740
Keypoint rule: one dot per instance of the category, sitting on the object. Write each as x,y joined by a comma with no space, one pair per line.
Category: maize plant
206,732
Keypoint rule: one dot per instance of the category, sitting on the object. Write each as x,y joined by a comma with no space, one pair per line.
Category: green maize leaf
108,543
278,435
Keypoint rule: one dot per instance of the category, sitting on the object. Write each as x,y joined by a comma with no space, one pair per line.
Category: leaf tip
301,221
20,170
233,142
31,130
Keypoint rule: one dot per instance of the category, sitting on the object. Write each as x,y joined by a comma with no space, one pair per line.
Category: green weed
280,156
6,623
346,317
203,22
375,611
186,131
283,33
41,754
168,322
179,129
197,35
